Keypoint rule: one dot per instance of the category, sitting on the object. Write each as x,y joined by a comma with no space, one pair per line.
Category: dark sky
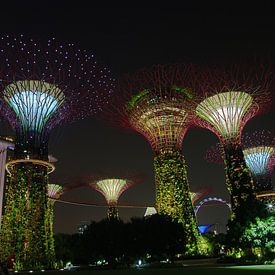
126,39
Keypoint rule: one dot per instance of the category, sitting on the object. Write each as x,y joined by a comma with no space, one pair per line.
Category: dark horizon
126,39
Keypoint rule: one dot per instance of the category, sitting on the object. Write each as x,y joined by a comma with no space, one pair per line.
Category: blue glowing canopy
257,159
34,102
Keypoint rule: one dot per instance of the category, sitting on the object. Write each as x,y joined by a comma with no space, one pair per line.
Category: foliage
260,234
24,234
154,238
239,184
173,195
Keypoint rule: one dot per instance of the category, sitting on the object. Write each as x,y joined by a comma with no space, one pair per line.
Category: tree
261,235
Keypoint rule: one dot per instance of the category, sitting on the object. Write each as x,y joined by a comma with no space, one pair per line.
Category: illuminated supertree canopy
228,97
259,154
43,84
46,83
55,191
112,189
161,120
155,103
225,112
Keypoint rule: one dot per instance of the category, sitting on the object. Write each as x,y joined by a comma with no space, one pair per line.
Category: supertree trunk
49,231
239,182
173,194
112,212
3,157
24,233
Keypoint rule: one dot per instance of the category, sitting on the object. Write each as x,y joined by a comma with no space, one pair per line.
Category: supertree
43,84
227,98
54,193
154,103
112,189
259,154
258,150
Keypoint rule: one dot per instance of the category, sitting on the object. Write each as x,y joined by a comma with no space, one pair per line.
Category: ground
230,270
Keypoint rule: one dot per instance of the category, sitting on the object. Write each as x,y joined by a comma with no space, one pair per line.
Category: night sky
126,39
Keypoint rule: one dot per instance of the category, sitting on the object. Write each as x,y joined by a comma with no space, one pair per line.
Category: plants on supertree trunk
238,180
23,220
54,191
172,194
112,212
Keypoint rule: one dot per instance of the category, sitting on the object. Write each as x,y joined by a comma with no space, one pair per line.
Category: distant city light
204,228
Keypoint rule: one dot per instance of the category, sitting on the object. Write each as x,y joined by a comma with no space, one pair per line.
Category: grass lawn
242,270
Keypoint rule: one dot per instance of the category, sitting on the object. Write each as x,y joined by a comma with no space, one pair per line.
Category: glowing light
111,189
266,194
54,191
207,200
50,167
150,211
161,120
268,197
225,111
225,114
34,102
204,228
257,159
